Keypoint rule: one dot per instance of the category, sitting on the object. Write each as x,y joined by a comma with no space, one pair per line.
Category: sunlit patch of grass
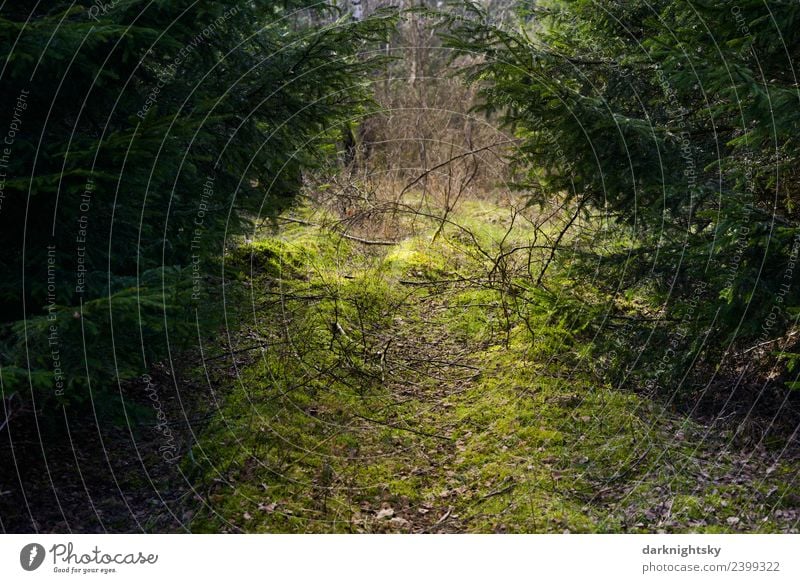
314,434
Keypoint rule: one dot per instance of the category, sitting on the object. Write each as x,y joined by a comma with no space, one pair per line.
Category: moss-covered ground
425,387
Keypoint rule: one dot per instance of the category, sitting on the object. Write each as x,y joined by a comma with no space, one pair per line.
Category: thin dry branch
340,233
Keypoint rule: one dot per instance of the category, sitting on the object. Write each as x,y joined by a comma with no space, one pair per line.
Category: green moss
447,399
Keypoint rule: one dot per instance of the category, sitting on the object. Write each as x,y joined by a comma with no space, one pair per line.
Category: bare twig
558,241
445,516
340,233
450,161
498,492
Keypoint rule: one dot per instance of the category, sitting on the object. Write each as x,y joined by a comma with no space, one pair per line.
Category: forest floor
412,386
407,388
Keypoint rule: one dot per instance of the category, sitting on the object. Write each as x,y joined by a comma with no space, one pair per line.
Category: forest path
401,388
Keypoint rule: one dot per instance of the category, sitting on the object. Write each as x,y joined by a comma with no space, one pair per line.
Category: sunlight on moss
388,401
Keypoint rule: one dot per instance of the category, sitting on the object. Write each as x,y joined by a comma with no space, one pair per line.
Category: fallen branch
445,516
367,241
435,281
232,352
498,492
340,233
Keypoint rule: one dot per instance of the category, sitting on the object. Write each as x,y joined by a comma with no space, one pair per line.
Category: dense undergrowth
408,388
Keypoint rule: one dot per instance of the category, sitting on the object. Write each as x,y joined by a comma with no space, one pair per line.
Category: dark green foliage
680,121
146,135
